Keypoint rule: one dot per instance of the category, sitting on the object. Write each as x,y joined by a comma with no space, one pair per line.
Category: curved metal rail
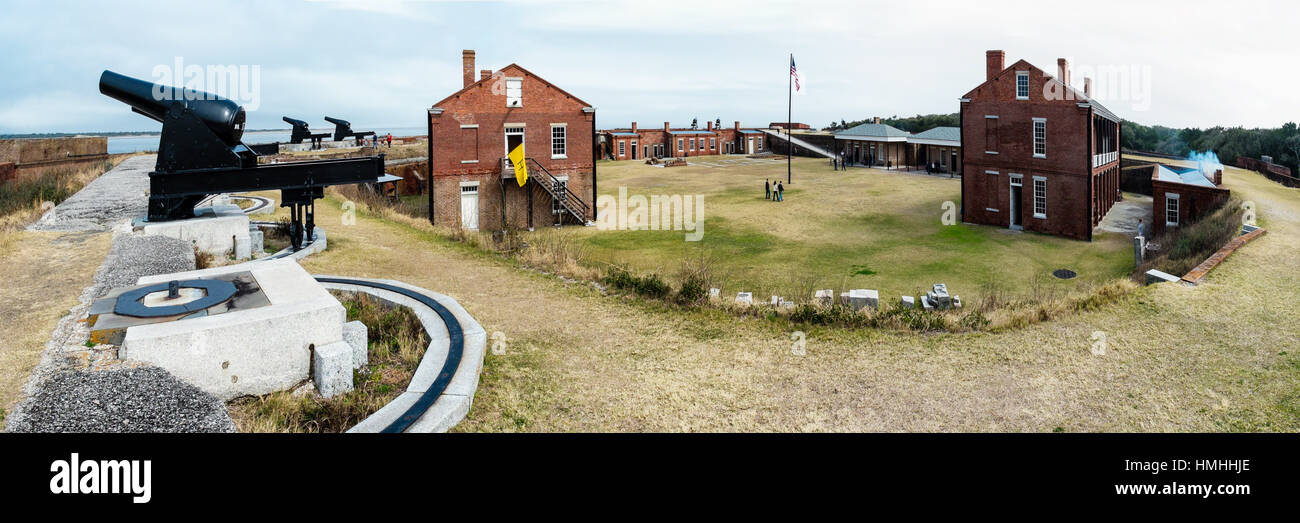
454,350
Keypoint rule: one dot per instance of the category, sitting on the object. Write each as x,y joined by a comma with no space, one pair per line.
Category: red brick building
1182,195
634,143
1037,154
471,132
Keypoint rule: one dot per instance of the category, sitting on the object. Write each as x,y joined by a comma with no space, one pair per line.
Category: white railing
1099,160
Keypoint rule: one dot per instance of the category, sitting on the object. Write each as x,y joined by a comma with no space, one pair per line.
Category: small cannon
302,132
201,153
343,130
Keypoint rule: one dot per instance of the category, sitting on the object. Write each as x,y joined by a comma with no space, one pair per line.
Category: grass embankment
864,228
397,342
1221,356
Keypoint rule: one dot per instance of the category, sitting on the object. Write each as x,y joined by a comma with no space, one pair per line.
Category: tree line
1282,143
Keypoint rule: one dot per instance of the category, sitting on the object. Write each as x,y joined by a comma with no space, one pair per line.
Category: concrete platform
254,351
220,230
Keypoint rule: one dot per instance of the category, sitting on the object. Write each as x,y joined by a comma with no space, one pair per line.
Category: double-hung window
1040,197
1040,138
559,141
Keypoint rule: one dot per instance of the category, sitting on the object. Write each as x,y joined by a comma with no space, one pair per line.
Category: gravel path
117,196
61,398
146,399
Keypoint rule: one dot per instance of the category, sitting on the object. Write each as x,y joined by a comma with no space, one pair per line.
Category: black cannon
343,129
201,153
302,132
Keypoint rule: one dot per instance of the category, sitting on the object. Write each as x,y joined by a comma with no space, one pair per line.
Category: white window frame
760,143
1036,138
713,144
518,96
564,141
1040,181
692,144
681,144
1022,75
1172,197
622,148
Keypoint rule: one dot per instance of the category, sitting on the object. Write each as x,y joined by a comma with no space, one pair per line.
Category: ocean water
131,144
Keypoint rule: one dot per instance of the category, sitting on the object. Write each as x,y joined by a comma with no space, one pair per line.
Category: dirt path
1222,356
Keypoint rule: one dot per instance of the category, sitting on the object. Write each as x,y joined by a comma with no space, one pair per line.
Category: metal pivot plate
216,291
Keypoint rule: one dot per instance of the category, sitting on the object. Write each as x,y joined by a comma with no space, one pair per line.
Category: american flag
794,73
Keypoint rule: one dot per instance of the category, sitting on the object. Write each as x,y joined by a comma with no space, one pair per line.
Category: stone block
909,302
357,336
745,298
776,301
219,231
715,294
926,303
257,240
1154,276
860,298
956,302
824,297
247,352
331,368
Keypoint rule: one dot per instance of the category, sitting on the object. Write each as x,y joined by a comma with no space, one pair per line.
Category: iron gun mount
201,153
302,132
343,130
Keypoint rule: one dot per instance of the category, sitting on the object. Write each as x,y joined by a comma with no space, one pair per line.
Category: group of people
773,191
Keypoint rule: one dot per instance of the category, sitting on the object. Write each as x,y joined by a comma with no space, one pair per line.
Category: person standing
767,189
390,140
1141,229
780,191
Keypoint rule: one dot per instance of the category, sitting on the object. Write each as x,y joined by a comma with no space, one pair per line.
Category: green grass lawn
864,228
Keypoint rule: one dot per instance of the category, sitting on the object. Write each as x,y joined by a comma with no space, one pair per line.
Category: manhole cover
1064,274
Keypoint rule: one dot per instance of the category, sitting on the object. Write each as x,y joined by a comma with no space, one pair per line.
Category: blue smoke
1207,162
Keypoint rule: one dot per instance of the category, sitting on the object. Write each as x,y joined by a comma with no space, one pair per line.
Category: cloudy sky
380,63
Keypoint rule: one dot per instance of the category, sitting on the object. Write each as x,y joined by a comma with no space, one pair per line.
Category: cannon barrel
295,122
337,121
224,117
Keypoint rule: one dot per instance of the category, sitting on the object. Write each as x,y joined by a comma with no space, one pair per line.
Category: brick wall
469,141
1067,166
6,171
1194,201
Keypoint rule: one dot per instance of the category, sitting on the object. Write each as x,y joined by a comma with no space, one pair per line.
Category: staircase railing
559,192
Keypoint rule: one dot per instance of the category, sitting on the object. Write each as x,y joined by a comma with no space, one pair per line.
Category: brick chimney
1218,177
710,125
484,74
1063,70
467,65
1087,86
634,127
737,124
994,63
666,128
875,119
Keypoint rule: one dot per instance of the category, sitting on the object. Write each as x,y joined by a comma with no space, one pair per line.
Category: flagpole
789,111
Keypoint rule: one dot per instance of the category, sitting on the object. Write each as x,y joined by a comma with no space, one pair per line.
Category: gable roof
1078,95
522,70
874,130
946,134
1184,175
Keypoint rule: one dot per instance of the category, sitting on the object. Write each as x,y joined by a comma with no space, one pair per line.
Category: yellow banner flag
521,169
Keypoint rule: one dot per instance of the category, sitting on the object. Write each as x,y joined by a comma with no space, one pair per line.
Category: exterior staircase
567,201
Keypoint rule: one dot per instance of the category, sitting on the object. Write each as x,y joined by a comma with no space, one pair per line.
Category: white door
469,207
751,146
